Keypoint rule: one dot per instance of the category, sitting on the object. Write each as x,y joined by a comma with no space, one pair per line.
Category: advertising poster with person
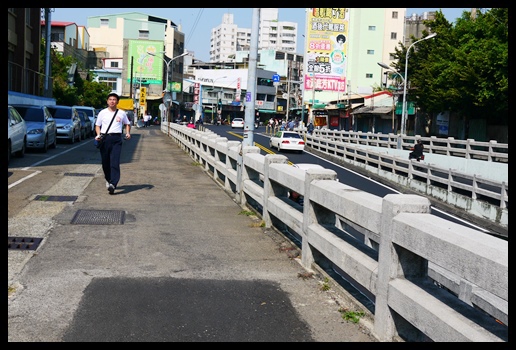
326,49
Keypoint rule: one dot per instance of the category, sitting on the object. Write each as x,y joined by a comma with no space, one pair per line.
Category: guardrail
470,149
427,277
484,195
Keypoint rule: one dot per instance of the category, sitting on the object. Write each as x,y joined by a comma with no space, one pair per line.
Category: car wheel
54,144
21,153
45,145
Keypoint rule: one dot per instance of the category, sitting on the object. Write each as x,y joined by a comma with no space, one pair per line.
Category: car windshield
62,113
88,112
31,114
291,135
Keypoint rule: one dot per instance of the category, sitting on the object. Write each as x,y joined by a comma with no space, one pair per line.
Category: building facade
116,33
228,39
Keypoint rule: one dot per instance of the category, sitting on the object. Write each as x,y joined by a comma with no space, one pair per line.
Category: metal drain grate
99,217
78,174
55,198
23,243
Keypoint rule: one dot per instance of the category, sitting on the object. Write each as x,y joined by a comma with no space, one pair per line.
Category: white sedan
287,140
237,123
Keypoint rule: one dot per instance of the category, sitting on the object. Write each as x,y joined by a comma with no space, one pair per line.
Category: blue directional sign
276,78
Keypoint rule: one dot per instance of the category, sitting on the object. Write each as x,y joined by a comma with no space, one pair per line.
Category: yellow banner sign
143,96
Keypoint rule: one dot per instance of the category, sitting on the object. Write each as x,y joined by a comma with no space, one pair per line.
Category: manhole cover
78,174
46,198
99,217
23,243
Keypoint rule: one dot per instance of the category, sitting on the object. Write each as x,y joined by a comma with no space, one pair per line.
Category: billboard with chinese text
326,47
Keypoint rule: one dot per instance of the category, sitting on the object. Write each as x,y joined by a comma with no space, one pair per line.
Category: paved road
178,261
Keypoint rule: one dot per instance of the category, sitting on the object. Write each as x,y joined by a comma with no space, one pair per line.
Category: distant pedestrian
111,147
146,119
310,128
417,151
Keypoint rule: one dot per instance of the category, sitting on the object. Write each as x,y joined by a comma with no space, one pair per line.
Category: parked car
86,128
237,123
17,133
68,122
92,115
41,126
287,140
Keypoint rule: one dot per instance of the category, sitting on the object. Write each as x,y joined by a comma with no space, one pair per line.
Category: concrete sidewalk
187,264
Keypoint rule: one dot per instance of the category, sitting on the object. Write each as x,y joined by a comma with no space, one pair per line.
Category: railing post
394,262
267,186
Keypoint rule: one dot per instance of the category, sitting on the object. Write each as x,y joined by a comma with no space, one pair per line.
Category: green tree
84,92
464,69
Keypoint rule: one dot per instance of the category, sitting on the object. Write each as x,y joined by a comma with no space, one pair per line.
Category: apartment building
228,38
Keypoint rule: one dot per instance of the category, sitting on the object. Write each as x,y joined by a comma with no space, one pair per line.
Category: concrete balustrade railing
427,277
448,179
492,151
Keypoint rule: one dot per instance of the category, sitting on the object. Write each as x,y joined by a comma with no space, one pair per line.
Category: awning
154,97
373,110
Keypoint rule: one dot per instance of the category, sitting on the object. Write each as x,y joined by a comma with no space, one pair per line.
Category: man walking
112,144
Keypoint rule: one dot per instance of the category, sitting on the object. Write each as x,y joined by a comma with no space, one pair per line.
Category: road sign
276,78
167,98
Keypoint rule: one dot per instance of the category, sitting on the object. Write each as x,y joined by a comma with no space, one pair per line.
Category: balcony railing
27,81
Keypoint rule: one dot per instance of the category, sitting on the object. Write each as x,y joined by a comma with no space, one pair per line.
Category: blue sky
197,23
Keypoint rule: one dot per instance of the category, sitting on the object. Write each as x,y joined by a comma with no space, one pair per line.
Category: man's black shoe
111,189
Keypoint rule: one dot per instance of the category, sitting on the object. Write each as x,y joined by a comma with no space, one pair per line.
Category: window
27,16
394,36
143,34
369,75
114,65
394,14
371,28
111,82
104,22
370,52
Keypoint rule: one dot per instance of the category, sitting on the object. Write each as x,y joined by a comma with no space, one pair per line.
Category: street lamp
167,64
384,66
404,111
213,89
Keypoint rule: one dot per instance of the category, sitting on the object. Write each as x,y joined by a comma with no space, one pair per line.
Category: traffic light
219,105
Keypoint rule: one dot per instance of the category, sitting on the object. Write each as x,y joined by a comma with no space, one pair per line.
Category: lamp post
213,89
404,111
384,66
167,64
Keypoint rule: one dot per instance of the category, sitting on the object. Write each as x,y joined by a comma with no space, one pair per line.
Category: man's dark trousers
110,154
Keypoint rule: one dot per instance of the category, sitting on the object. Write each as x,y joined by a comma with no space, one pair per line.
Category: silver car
68,122
17,133
92,115
41,126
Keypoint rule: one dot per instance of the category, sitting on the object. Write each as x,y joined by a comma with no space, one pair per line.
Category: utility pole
250,96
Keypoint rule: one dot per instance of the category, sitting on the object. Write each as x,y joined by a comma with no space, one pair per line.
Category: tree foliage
84,92
464,69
